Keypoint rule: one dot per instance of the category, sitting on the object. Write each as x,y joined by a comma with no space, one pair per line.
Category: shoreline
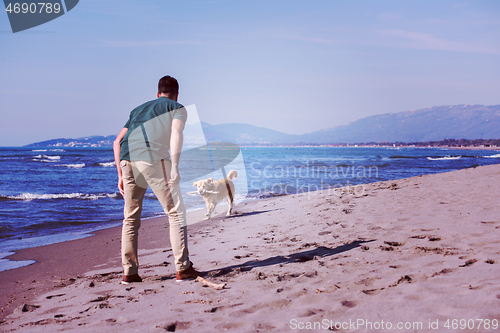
201,207
11,254
72,236
54,266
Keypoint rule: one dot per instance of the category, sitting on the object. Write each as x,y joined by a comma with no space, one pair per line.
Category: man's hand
174,177
117,152
120,186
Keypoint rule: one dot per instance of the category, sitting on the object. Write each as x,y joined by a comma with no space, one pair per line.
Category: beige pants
137,176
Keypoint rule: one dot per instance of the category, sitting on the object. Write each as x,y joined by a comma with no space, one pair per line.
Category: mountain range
431,124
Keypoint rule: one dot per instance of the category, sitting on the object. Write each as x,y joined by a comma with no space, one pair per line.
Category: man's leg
173,205
133,197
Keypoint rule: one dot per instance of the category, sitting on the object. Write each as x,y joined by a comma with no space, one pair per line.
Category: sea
55,194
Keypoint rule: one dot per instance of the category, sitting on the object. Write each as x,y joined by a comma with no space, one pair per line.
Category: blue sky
293,66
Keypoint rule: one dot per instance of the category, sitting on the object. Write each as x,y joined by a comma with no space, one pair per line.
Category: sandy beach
409,255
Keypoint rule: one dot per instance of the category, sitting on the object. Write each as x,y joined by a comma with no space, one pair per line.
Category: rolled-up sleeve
180,114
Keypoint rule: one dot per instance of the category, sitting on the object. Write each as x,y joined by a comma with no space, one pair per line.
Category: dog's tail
232,174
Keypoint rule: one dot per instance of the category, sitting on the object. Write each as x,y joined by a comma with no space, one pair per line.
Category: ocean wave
104,164
6,231
39,150
47,157
493,156
57,150
444,158
57,196
79,165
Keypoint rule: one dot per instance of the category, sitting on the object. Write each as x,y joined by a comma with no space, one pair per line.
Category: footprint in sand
349,304
310,312
403,279
101,299
436,250
373,291
468,263
393,243
419,236
444,271
29,307
178,325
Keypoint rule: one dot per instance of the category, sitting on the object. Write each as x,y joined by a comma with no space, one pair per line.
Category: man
142,159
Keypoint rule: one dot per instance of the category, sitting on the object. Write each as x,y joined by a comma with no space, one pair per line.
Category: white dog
214,192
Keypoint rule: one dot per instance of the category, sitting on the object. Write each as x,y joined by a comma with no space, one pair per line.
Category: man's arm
176,139
117,152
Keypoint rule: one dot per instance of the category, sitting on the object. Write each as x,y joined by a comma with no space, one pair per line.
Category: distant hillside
88,141
236,133
431,124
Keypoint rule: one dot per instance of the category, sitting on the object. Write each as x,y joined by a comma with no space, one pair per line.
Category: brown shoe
128,279
188,274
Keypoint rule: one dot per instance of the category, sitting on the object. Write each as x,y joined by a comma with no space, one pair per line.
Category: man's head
168,87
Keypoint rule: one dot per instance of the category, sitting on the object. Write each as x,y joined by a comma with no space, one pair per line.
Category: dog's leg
229,206
210,208
209,212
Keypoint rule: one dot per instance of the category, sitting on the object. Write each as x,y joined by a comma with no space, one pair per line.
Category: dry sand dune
417,251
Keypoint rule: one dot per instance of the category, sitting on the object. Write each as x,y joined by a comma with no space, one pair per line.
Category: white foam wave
493,156
83,196
57,150
445,158
107,164
39,150
79,165
6,264
48,157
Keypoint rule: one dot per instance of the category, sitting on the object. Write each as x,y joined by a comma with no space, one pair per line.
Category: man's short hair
168,85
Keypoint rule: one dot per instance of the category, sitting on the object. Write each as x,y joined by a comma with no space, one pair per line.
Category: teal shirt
149,128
